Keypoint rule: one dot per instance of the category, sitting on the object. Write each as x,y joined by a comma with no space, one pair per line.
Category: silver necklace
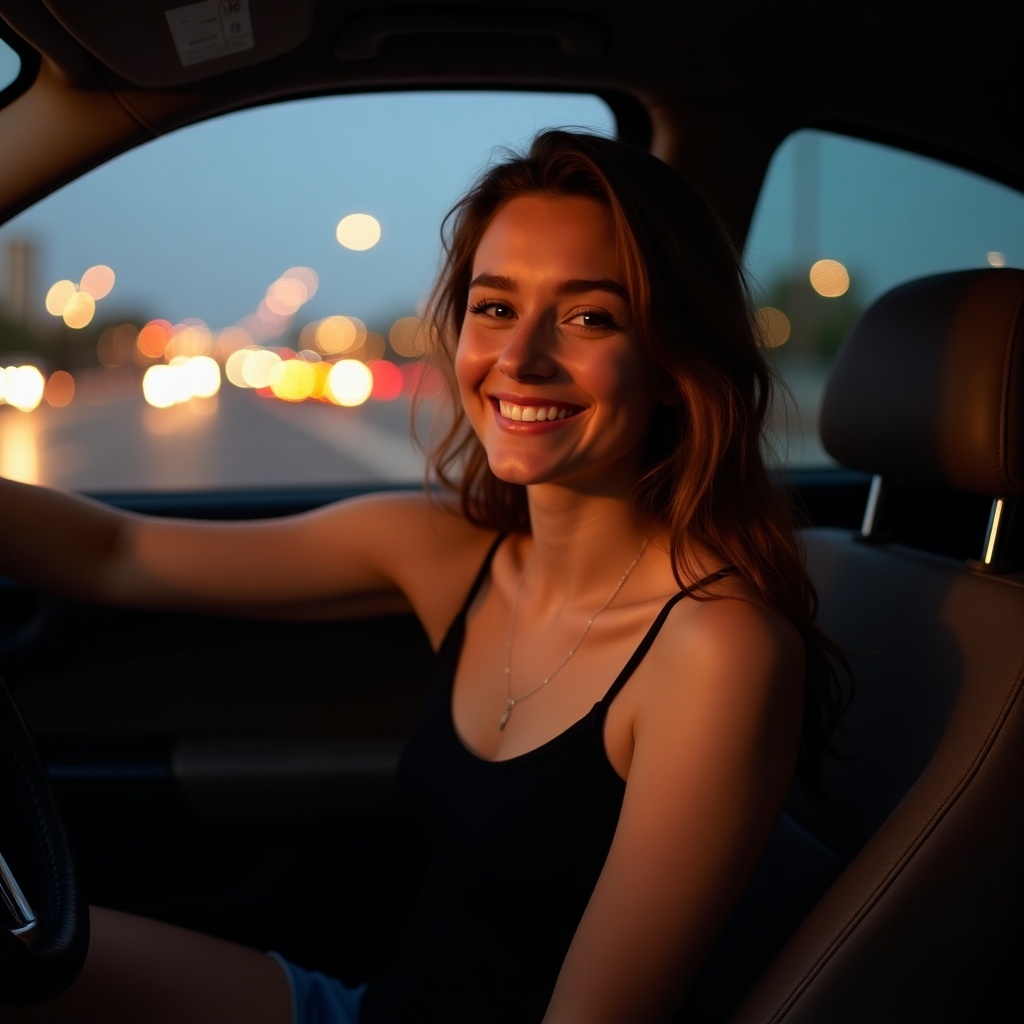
510,701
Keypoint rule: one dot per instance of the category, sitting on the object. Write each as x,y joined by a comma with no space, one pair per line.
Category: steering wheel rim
42,957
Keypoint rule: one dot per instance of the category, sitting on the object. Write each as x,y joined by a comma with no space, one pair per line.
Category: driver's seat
924,922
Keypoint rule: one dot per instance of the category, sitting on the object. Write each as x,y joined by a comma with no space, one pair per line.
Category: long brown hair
707,475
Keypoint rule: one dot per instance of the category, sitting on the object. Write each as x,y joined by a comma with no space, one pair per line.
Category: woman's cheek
470,362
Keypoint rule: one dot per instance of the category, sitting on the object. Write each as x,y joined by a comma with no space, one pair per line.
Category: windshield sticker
211,29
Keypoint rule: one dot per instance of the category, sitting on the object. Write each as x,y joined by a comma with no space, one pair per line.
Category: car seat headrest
928,385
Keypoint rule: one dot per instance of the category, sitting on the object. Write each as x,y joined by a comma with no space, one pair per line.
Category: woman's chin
514,471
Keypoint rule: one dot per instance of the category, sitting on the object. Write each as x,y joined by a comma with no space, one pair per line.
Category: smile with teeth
535,413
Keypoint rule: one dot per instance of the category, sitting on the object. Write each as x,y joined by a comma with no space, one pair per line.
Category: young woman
628,671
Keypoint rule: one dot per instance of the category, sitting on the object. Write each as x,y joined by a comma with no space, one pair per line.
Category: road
108,439
112,441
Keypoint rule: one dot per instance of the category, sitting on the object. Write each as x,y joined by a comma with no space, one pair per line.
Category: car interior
237,776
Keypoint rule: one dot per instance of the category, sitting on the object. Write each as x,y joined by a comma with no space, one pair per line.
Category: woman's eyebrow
574,286
504,284
603,284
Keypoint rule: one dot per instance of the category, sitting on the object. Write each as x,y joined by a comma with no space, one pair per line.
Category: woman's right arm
357,556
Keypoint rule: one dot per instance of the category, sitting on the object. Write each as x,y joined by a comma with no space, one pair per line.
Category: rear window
839,222
11,68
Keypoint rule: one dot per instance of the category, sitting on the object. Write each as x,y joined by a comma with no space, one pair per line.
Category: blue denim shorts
318,998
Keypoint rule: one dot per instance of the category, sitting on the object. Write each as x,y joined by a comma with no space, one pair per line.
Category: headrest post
994,532
995,521
873,509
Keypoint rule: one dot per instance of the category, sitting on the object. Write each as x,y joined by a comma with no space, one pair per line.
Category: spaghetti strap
649,637
482,572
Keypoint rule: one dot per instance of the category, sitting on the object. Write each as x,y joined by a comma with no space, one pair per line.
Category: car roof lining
959,102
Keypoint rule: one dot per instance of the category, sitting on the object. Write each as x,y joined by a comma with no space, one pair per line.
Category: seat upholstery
927,813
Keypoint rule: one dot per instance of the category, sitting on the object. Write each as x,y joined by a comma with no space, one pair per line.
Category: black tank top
516,849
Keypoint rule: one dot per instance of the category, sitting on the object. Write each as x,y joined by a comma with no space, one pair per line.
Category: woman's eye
593,318
498,310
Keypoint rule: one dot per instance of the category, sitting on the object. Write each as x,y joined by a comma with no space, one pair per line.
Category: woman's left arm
715,737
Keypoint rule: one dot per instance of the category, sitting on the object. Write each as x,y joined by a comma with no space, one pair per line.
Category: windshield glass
235,304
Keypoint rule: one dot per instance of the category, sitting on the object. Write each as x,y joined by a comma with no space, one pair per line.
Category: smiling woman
548,350
628,671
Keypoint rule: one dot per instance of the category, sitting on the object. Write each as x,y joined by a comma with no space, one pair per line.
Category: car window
10,68
203,311
234,305
839,222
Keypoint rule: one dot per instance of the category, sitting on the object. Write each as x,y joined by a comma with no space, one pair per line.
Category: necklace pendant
509,704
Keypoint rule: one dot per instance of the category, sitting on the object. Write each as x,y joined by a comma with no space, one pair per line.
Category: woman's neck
579,547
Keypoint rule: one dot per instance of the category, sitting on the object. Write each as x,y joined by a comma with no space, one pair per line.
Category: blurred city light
773,325
76,304
58,297
97,281
22,387
152,340
387,380
350,382
60,389
358,231
293,380
407,336
830,279
184,378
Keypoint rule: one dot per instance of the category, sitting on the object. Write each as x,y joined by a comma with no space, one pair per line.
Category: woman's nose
528,352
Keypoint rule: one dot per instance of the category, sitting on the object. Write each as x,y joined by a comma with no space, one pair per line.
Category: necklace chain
510,701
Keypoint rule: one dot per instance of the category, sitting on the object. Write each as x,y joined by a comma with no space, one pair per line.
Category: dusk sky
198,223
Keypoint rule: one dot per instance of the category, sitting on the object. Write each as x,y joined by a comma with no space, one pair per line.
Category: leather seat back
927,812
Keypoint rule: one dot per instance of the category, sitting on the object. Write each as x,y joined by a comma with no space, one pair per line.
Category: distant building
18,280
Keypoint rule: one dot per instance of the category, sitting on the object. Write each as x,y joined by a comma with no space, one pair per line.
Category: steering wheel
44,922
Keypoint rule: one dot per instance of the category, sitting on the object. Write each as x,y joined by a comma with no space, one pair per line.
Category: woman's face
551,375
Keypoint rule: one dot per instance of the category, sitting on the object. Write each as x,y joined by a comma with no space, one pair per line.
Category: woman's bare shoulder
728,648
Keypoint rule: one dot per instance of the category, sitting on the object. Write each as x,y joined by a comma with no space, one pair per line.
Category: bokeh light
60,389
97,281
58,297
358,231
829,278
203,375
153,340
387,380
408,336
181,380
22,387
258,367
293,380
76,304
79,311
773,326
350,382
189,338
338,334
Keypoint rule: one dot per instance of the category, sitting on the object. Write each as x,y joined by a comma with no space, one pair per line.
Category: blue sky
199,223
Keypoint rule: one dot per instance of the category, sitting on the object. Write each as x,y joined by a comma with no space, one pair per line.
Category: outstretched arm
716,730
368,554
